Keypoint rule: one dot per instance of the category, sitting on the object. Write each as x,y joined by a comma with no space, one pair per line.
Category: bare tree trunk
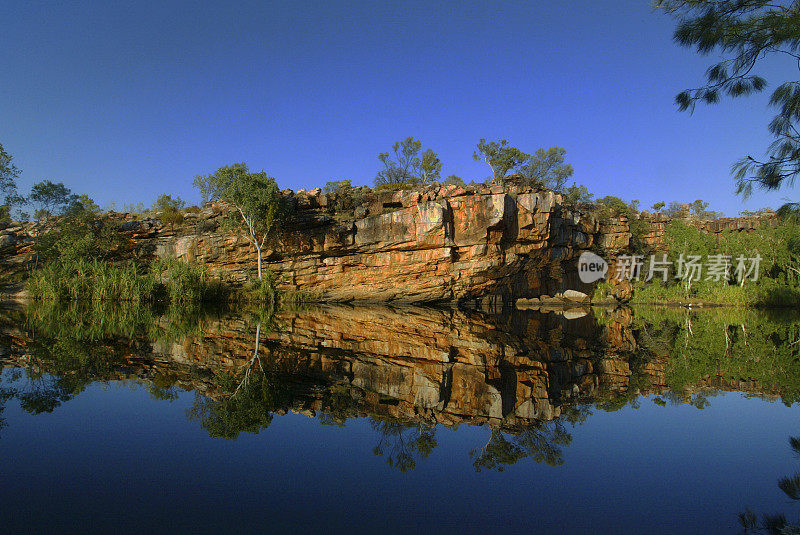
258,250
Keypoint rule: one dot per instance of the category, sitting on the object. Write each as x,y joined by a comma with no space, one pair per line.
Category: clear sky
127,100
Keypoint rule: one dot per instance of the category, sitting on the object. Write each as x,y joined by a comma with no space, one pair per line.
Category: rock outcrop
485,246
441,245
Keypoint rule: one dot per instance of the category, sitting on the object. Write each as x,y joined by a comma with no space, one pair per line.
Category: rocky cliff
441,245
485,245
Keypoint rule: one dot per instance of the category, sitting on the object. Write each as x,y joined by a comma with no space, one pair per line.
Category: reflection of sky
114,457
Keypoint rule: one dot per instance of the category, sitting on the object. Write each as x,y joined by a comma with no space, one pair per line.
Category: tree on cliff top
406,167
499,156
8,182
169,209
746,31
255,196
51,198
547,168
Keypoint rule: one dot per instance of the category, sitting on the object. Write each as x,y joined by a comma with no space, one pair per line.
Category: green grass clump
94,280
777,284
182,283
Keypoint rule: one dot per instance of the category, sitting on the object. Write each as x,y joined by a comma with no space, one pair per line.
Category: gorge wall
486,245
442,245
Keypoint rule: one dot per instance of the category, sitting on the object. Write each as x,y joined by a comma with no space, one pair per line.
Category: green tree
454,180
577,194
169,209
546,168
676,209
743,32
165,201
657,207
342,196
84,202
790,212
614,206
50,198
405,166
430,167
8,182
699,209
134,208
81,235
255,196
499,156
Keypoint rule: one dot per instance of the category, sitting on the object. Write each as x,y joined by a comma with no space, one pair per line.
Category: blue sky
127,100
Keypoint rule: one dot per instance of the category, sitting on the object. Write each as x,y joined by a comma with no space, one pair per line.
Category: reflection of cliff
411,365
443,366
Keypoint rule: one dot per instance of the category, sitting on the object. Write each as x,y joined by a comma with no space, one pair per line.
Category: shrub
81,279
454,180
342,196
171,216
185,283
611,206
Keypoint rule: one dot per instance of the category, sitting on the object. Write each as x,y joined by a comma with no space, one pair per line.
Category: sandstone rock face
486,246
443,245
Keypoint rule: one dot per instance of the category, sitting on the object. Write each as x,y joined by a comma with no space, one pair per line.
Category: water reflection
776,523
528,377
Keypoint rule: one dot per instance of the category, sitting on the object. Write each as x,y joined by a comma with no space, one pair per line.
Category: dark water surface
394,420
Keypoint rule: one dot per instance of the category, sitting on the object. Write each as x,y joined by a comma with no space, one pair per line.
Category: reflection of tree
542,442
338,407
403,443
776,524
37,392
5,395
247,402
248,411
725,345
162,387
43,393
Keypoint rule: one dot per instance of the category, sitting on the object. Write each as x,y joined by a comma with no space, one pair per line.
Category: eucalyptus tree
547,168
430,167
50,198
743,32
578,194
255,198
454,180
169,209
405,165
499,156
8,181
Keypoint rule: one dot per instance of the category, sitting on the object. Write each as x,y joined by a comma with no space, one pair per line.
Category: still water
340,419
